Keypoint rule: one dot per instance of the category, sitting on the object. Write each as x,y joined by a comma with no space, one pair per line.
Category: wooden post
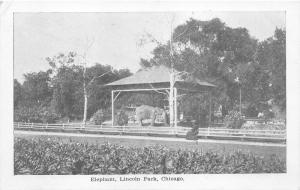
112,108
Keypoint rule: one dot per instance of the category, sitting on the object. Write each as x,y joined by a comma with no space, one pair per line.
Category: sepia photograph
149,93
156,95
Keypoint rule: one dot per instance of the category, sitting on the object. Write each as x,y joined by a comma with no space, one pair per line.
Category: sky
116,36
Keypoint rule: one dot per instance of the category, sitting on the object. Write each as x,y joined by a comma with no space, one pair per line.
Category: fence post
31,125
18,125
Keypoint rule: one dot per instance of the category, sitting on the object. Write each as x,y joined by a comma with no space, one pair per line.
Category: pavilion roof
157,75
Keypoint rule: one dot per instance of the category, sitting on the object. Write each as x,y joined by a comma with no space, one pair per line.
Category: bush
36,114
121,118
51,156
47,115
98,117
251,111
234,120
192,134
26,114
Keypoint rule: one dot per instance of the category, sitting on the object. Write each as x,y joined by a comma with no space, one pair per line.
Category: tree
32,99
98,75
18,93
271,56
212,51
36,87
77,91
67,84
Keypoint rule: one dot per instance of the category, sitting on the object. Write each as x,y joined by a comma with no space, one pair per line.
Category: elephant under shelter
163,80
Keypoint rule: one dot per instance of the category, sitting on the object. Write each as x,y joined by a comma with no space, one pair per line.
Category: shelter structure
160,79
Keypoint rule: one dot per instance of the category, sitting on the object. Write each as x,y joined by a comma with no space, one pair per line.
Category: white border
224,181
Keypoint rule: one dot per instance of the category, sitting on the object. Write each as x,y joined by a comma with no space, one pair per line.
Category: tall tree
18,93
210,50
271,56
98,75
77,89
32,99
67,83
36,87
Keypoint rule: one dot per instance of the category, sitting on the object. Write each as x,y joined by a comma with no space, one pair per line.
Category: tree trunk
171,99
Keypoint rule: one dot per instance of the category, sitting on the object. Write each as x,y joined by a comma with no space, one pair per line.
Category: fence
150,130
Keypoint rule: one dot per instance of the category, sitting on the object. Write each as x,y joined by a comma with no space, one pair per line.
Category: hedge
47,156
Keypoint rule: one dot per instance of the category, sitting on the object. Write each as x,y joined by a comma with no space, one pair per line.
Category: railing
149,130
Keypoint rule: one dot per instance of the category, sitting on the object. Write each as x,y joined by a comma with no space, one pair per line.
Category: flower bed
45,156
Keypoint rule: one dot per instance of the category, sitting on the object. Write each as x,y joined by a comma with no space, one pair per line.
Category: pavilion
160,79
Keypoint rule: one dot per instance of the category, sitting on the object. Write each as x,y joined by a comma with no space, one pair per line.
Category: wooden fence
157,131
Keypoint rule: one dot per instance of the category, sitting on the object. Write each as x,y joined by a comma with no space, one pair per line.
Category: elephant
149,112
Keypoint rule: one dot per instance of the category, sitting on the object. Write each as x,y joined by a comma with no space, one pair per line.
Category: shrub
192,134
251,111
98,117
35,114
27,114
47,115
234,120
52,156
121,118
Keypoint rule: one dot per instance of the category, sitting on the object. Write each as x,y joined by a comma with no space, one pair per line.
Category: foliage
35,114
230,58
58,92
32,98
98,117
67,96
121,118
197,107
251,111
47,115
68,88
271,55
193,133
36,87
52,156
26,114
210,50
18,93
234,120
